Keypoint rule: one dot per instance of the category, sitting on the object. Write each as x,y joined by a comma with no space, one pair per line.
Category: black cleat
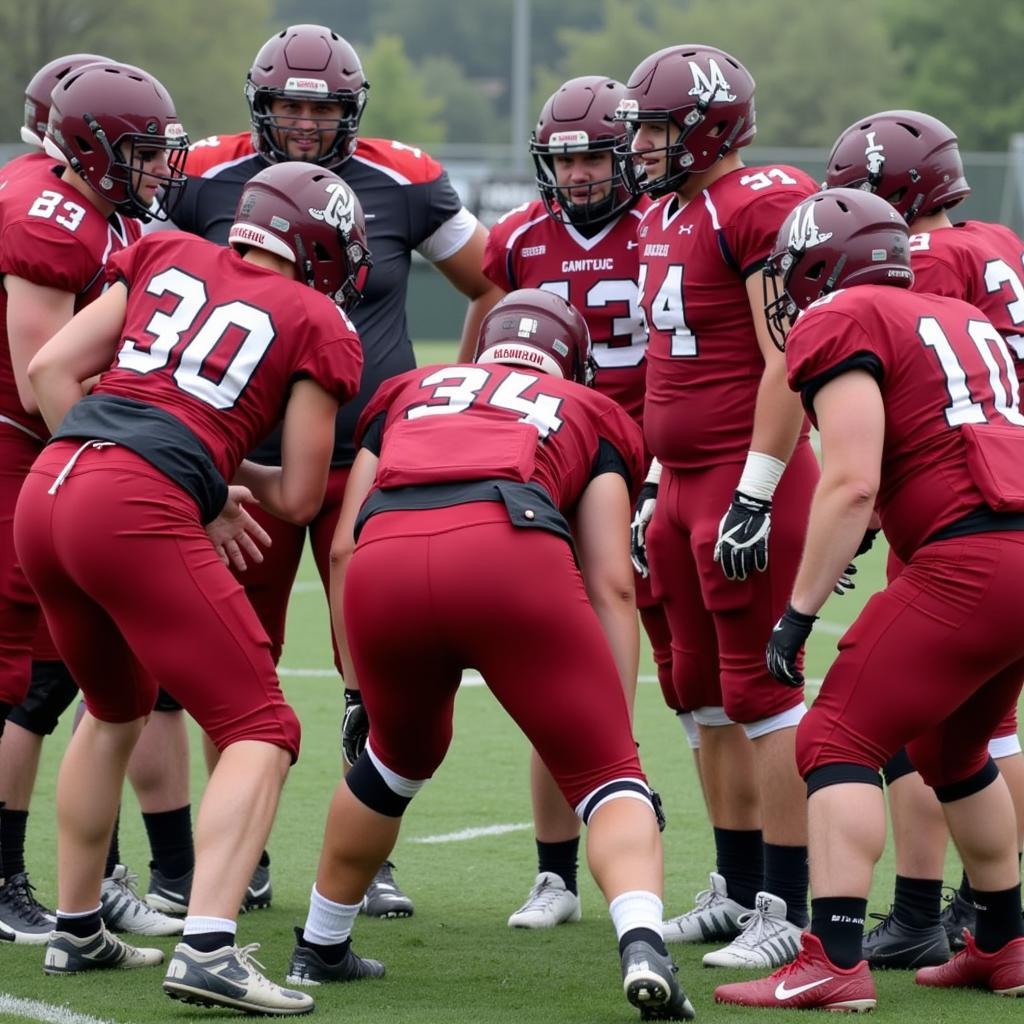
384,898
308,968
894,944
259,892
649,982
957,915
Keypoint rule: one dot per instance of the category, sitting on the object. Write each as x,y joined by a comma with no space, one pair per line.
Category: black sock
965,888
839,922
332,954
999,918
170,841
739,857
12,840
917,901
80,927
652,938
207,942
560,859
785,875
114,850
264,859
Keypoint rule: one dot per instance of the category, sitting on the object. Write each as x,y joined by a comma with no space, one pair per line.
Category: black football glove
742,544
845,582
642,515
866,543
784,646
355,727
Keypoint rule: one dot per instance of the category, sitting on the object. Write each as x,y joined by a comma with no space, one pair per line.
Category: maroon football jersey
982,264
217,341
942,366
482,410
703,361
529,249
54,237
25,163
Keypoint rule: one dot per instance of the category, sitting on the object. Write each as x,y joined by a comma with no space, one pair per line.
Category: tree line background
440,70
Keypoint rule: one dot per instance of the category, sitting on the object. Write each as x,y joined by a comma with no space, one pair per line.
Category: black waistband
981,520
529,505
158,437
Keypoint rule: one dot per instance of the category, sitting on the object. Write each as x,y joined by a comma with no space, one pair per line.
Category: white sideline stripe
31,1009
472,833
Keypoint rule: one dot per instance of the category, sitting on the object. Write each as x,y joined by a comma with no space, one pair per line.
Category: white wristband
761,474
654,473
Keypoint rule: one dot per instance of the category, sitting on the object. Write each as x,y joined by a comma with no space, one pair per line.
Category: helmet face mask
307,215
539,330
838,238
310,64
579,118
109,151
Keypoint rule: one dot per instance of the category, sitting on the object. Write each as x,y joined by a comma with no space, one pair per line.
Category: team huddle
626,428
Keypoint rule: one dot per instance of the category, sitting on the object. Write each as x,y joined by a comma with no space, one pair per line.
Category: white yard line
472,833
32,1009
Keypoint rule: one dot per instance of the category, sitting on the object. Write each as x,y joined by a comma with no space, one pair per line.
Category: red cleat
810,982
1001,972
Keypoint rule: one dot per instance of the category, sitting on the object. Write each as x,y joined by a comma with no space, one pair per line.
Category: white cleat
714,918
548,904
767,941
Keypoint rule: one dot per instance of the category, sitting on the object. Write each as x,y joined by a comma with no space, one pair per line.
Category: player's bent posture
914,396
467,472
912,160
208,345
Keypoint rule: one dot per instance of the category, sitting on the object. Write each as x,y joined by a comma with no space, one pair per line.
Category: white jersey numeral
667,312
629,326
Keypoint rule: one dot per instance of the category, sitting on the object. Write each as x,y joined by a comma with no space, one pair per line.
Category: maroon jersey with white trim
217,341
980,263
54,237
25,163
527,248
942,366
703,360
488,406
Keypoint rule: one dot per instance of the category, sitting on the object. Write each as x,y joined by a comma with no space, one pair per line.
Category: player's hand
236,536
355,727
642,514
784,646
867,542
845,582
742,544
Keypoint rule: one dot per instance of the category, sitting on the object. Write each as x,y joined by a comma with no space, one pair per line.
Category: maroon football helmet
306,62
699,92
908,158
540,330
104,120
308,215
580,118
834,239
39,88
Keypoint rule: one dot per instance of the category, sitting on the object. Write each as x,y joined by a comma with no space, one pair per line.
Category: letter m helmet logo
710,86
803,232
339,210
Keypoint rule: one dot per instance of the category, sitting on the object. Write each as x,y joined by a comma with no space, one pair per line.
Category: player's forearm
55,392
616,611
778,415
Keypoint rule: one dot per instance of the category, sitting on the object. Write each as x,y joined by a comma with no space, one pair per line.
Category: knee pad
788,719
374,784
690,727
165,702
837,774
897,766
50,694
974,783
711,717
635,789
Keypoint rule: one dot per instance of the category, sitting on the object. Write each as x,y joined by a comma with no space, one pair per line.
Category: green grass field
455,961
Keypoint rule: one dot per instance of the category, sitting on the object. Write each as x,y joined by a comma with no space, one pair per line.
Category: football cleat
307,967
123,911
168,895
957,915
23,919
1001,972
383,897
230,977
649,982
68,954
810,982
894,944
259,892
768,940
714,918
549,903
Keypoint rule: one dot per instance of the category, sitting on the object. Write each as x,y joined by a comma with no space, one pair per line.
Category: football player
578,241
456,514
912,394
200,368
57,237
912,160
731,439
306,93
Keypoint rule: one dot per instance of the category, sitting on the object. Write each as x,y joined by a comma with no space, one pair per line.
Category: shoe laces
127,881
757,926
246,958
544,895
884,921
793,967
704,900
384,875
17,893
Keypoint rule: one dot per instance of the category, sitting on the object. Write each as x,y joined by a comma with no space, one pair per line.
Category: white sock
636,909
203,925
329,923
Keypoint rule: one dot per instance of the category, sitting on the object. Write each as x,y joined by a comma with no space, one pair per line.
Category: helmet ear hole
815,271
